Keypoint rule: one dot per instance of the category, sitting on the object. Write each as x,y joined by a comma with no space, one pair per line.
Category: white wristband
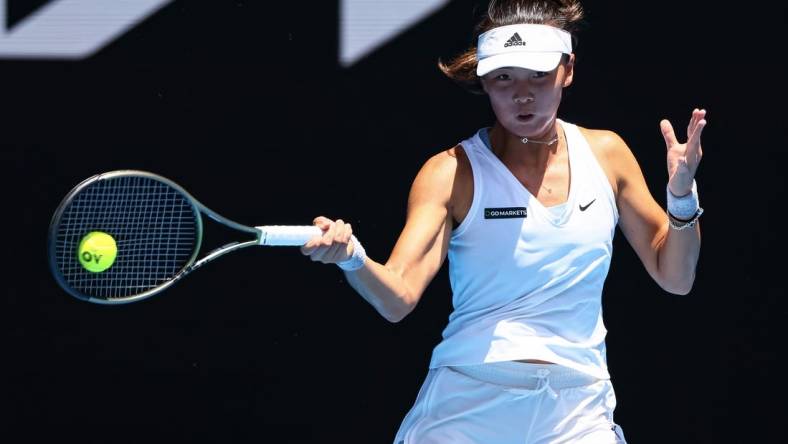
684,207
356,260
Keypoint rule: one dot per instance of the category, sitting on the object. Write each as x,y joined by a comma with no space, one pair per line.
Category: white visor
530,46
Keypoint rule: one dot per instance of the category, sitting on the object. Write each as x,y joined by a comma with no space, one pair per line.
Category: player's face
526,102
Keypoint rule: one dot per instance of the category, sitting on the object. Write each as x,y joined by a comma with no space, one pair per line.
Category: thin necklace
549,142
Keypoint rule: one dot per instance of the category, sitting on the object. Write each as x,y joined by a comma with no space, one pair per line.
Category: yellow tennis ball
97,251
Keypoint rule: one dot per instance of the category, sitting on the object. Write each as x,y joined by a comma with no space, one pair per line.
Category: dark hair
564,14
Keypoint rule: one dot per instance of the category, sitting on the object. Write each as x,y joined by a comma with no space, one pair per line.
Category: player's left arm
670,256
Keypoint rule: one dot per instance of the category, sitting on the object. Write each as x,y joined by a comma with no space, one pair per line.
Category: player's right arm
394,288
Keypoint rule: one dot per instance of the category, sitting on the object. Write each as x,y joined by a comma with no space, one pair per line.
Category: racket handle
287,235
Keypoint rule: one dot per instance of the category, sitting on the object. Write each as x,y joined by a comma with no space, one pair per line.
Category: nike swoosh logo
585,207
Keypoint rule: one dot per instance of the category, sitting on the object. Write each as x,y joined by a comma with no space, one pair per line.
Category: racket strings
155,228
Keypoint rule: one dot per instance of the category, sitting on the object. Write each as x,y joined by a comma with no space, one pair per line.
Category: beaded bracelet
684,223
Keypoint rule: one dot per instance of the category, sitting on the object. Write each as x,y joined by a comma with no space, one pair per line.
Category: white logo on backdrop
71,29
76,29
365,25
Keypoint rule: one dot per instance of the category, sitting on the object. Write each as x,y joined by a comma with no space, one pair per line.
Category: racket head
156,225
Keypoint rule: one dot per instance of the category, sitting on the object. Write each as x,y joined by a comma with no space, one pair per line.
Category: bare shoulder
604,143
462,166
436,176
462,186
445,178
447,166
612,153
442,163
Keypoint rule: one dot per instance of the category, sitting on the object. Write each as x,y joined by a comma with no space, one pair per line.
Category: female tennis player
526,211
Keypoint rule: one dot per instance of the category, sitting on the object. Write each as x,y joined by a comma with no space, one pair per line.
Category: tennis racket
123,236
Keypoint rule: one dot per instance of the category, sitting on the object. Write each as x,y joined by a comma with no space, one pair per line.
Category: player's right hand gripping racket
123,236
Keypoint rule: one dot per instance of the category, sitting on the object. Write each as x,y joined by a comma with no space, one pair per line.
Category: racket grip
287,235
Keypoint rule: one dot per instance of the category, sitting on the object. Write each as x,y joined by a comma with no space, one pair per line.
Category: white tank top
527,281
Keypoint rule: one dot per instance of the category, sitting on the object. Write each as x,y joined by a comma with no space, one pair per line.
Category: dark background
245,105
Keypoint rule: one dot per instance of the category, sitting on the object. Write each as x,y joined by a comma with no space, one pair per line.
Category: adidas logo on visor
514,40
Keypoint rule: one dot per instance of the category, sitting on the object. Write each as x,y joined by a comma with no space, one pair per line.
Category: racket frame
191,264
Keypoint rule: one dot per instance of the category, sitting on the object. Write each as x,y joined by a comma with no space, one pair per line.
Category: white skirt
511,403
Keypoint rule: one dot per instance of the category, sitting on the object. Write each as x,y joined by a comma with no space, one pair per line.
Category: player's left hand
683,158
